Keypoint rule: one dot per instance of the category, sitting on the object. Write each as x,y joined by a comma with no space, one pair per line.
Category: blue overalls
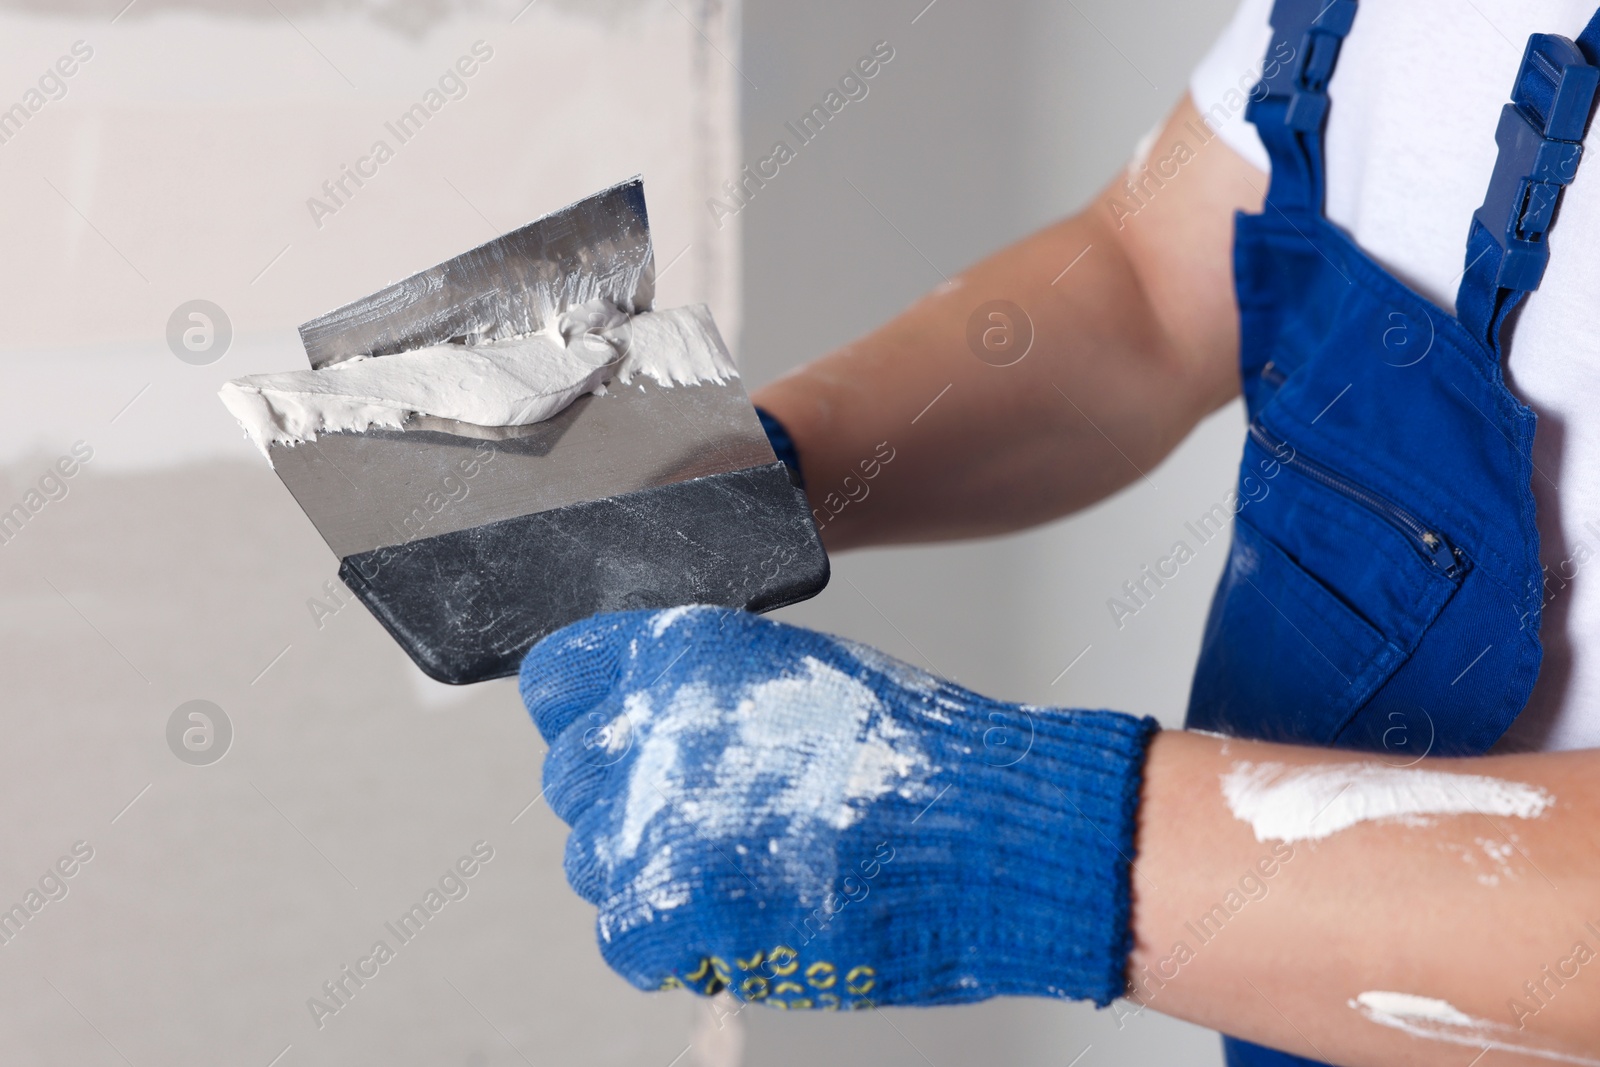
1385,595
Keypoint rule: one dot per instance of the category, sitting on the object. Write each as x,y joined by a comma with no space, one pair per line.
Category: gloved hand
809,823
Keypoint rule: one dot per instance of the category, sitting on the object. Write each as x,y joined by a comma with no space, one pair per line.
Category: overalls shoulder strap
1540,136
1290,104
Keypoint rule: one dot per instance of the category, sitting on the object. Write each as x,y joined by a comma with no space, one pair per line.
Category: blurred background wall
177,163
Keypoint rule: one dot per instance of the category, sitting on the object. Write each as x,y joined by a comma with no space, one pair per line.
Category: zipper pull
1441,553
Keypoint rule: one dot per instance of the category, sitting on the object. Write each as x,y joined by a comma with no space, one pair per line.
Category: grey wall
991,121
220,898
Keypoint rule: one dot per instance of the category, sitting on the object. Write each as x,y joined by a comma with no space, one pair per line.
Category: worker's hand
805,821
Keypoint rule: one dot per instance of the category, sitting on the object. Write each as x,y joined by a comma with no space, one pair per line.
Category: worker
1378,841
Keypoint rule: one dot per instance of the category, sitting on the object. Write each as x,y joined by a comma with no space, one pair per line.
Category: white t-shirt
1410,146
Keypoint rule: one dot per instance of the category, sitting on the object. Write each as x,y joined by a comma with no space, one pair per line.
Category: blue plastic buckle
1313,29
1541,141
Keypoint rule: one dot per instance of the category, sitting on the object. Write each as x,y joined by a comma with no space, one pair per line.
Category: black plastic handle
467,606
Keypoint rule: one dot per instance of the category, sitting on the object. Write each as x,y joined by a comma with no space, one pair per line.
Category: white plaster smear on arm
1439,1020
513,382
1289,803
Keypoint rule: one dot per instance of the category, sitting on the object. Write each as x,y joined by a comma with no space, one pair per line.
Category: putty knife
470,543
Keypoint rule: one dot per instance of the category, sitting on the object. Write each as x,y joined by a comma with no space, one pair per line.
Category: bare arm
1464,934
1493,915
1133,345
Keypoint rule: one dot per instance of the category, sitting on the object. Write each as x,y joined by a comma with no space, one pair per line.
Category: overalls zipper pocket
1435,549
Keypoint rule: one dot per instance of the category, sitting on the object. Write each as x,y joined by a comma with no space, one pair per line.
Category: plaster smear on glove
942,699
1439,1020
805,752
513,382
1285,803
816,732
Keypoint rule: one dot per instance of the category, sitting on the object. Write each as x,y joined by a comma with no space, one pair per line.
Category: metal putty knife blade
469,543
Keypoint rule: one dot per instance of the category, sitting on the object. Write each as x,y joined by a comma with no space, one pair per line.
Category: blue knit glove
809,823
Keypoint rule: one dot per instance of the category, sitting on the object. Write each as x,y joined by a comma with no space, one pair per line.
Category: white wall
220,898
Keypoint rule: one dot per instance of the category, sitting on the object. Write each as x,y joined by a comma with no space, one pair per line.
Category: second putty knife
470,543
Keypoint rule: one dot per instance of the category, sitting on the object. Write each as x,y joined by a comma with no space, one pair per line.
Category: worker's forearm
978,449
1277,941
1133,337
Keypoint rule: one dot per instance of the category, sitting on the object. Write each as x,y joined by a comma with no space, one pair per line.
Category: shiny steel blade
379,488
387,487
513,285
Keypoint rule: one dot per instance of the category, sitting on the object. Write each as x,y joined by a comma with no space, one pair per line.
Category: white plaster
1299,803
513,382
1439,1020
